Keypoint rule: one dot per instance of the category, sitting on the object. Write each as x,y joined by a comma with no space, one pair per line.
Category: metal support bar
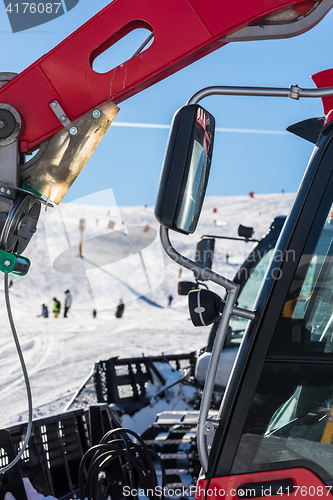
229,238
228,310
293,92
193,266
243,313
203,271
210,379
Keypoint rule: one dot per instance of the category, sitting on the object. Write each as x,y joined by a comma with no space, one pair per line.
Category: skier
45,312
56,307
94,313
170,299
120,309
68,302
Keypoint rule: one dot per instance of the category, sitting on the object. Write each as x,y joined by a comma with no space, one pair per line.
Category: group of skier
68,302
57,306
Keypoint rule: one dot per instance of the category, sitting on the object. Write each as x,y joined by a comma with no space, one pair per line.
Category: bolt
8,191
23,224
33,230
2,190
96,113
7,263
73,130
54,104
63,118
2,124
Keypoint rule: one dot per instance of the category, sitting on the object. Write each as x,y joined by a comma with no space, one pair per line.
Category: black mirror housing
205,307
245,231
184,287
185,169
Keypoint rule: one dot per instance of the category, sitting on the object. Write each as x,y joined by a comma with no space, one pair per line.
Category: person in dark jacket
45,312
68,302
120,309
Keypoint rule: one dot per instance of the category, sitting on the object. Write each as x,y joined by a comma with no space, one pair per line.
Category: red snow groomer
273,432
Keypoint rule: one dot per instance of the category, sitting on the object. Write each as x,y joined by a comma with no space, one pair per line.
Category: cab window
247,298
290,420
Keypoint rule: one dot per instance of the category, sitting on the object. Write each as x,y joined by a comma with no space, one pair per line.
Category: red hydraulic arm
325,79
184,31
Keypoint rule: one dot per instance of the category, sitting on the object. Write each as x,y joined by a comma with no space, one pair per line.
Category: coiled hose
121,460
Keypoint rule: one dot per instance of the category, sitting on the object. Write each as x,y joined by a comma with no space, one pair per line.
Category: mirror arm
194,266
205,429
229,238
203,271
294,92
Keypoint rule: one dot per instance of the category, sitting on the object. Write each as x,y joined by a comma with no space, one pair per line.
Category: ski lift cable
26,379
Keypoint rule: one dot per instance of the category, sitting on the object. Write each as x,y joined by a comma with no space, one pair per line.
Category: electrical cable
135,467
26,379
123,432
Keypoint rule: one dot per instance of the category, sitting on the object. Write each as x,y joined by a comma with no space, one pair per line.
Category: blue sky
129,158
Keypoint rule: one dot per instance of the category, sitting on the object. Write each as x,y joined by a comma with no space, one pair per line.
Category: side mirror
204,254
205,307
186,169
245,231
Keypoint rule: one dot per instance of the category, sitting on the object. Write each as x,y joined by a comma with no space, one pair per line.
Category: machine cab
277,434
274,431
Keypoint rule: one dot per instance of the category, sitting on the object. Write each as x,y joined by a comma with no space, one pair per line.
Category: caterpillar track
173,436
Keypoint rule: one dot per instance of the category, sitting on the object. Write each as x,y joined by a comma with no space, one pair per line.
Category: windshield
247,298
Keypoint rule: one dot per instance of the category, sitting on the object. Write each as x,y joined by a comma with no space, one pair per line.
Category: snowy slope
60,353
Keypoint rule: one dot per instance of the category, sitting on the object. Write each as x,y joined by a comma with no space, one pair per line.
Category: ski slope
60,353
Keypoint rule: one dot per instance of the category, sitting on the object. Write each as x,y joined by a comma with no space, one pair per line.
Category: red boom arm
184,31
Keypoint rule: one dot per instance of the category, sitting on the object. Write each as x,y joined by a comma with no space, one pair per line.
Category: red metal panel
307,485
180,38
325,79
234,14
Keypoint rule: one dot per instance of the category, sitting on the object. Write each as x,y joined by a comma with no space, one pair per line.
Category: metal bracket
295,92
10,129
9,133
60,113
210,426
5,188
208,430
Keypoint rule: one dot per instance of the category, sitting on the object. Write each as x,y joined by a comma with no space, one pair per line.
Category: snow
59,352
32,494
177,397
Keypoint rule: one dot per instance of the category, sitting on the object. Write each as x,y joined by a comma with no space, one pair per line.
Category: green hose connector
14,263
